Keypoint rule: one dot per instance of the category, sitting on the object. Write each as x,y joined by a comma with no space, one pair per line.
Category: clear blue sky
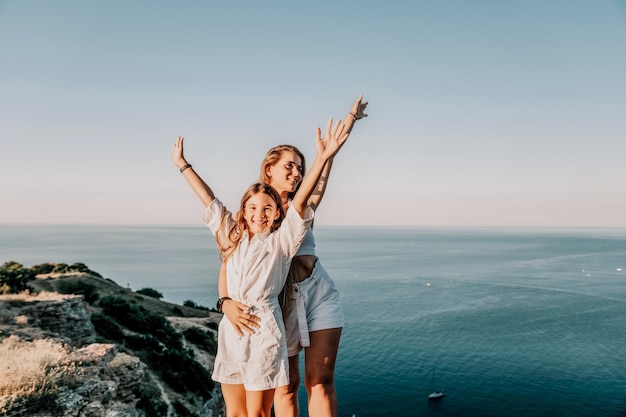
482,113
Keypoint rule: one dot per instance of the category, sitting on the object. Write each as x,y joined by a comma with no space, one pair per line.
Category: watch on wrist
220,303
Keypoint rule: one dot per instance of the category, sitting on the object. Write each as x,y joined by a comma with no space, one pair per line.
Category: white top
308,244
255,274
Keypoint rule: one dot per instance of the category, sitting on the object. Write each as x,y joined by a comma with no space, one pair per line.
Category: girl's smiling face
260,213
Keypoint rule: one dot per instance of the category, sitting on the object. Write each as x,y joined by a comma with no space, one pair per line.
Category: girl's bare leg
259,403
235,400
319,372
286,398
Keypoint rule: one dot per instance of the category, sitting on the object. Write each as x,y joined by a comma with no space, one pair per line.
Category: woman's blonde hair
229,242
273,156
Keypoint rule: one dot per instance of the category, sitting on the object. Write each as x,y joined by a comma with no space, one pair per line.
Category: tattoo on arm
321,185
318,192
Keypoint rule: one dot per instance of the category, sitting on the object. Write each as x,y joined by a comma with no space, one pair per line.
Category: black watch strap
220,303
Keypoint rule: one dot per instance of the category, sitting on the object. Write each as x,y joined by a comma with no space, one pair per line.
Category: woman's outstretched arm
357,111
197,184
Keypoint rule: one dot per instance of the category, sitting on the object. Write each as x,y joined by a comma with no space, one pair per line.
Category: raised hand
178,156
197,184
358,108
334,139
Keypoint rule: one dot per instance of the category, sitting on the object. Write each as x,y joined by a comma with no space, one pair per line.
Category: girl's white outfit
255,275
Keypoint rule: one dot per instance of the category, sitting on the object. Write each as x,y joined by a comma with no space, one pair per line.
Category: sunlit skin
260,212
286,174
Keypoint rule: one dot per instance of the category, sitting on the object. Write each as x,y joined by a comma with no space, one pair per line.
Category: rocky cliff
121,354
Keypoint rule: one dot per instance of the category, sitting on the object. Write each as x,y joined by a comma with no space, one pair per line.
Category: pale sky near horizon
482,113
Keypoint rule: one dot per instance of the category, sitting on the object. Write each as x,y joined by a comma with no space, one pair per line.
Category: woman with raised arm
311,305
257,246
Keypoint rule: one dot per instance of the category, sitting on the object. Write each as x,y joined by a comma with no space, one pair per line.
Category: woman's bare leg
286,398
235,400
319,372
259,403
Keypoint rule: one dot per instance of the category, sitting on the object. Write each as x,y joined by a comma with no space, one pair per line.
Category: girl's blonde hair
229,242
273,156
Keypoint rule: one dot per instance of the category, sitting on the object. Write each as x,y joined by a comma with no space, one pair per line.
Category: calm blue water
508,322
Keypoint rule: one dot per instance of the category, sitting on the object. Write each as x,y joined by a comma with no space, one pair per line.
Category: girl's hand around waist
236,313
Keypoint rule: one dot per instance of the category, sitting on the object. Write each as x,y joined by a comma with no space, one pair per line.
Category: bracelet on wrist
220,303
353,116
184,167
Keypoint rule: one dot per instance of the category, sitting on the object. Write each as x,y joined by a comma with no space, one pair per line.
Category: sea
505,321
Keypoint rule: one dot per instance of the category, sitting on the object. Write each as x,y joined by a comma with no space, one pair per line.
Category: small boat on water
436,395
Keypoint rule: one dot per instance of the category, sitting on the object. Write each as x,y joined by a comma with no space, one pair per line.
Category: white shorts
315,305
258,361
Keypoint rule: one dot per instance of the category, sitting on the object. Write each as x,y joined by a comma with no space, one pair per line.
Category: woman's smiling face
286,174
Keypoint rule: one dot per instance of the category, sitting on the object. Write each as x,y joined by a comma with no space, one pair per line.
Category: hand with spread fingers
334,139
235,312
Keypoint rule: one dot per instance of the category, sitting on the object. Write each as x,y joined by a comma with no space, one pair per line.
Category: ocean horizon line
333,226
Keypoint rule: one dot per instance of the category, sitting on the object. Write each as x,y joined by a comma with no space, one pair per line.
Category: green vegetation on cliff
14,278
138,323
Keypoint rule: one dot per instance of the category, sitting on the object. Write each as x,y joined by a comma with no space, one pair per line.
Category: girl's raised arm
326,148
201,188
